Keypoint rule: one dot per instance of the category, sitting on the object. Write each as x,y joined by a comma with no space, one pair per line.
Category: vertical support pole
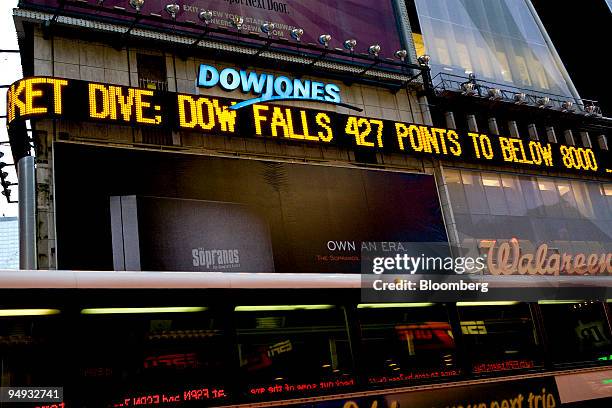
27,213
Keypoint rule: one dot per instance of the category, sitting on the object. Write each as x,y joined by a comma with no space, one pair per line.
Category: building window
152,75
504,40
570,215
152,72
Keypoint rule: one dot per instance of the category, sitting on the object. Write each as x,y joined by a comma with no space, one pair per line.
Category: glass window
568,215
146,354
577,332
474,191
504,33
495,194
401,343
32,349
514,195
293,350
499,337
455,190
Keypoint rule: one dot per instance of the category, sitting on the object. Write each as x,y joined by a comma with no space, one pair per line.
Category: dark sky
581,32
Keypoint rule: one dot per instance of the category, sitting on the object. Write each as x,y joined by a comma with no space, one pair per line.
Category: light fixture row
206,16
470,88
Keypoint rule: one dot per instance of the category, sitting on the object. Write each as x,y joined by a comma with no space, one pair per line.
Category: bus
155,339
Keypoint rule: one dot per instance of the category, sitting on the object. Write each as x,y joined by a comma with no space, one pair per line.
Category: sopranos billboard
142,210
368,22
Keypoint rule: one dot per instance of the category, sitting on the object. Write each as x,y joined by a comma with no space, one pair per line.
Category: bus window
148,353
31,348
577,332
293,350
499,336
406,342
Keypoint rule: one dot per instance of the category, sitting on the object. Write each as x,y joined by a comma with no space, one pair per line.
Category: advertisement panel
532,393
368,22
202,213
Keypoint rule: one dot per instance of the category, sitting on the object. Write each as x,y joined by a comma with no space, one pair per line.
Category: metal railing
472,86
152,84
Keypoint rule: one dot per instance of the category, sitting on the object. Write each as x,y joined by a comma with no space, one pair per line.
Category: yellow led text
513,150
285,121
361,128
124,104
424,139
205,114
24,98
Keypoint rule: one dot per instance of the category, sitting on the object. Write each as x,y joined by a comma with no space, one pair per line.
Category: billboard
75,100
204,213
368,22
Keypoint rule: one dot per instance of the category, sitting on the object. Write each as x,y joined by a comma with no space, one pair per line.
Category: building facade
9,243
263,146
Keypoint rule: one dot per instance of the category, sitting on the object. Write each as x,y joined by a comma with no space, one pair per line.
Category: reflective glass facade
498,40
569,215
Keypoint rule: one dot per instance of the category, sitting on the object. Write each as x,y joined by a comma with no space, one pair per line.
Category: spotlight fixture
468,88
543,102
567,106
206,16
297,33
324,39
350,44
374,50
424,59
172,9
268,28
495,93
520,98
237,22
401,54
137,4
590,109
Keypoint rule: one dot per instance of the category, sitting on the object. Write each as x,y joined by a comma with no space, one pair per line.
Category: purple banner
368,22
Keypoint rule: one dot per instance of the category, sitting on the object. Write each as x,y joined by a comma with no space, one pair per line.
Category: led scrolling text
62,98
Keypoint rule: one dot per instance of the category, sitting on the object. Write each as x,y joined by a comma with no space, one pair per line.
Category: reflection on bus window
583,328
407,342
31,349
499,337
293,350
144,356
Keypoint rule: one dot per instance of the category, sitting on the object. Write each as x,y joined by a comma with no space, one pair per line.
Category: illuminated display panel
500,338
42,97
407,344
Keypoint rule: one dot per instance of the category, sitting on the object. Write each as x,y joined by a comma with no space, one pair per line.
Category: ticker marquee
46,97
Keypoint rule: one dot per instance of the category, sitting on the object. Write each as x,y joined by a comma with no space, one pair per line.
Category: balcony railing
152,84
444,83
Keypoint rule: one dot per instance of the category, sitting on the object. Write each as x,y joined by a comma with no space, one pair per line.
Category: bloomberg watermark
437,271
